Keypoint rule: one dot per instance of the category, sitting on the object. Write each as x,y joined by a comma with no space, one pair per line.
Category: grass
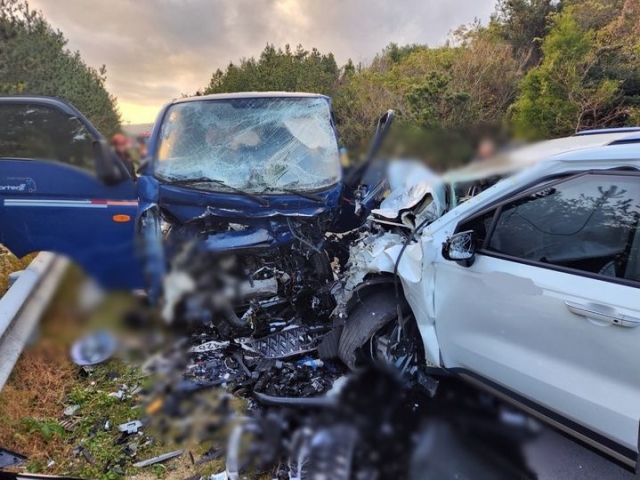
45,381
9,263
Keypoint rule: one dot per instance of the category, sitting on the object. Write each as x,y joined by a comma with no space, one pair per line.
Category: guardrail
23,305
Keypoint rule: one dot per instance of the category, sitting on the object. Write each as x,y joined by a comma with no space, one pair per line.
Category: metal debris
158,459
81,449
10,459
287,343
69,424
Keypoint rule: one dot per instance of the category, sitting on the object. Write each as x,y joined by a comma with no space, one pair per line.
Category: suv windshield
254,144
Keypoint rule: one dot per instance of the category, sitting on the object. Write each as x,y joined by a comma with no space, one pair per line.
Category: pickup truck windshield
253,144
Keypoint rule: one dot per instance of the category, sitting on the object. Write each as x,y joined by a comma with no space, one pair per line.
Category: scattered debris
97,347
69,411
81,449
158,459
130,427
207,457
10,459
69,424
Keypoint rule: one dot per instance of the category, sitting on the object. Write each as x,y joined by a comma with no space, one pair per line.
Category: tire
369,316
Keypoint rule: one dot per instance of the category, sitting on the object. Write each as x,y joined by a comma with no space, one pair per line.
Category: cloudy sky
155,50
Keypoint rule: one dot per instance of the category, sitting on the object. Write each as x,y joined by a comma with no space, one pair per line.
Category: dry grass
45,381
9,263
32,399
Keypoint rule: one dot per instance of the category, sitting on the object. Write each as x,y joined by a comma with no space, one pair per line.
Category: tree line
34,59
538,69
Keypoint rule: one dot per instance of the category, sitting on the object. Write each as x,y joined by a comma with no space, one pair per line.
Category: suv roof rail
626,140
600,131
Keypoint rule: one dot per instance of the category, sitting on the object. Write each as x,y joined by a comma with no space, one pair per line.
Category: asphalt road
555,457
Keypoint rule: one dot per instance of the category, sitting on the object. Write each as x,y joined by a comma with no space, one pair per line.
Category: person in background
142,146
120,145
486,150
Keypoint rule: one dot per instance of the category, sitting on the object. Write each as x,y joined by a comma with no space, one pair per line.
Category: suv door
52,197
548,313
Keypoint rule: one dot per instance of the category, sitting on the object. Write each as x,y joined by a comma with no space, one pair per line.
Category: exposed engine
251,291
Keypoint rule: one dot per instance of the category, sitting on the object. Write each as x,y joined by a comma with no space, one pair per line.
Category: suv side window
587,223
39,132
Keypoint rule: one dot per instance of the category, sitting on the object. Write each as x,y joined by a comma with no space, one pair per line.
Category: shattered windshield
253,144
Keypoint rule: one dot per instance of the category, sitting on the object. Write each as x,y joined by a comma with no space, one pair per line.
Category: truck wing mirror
107,167
382,128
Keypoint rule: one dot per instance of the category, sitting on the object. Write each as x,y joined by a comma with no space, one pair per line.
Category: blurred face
120,145
486,149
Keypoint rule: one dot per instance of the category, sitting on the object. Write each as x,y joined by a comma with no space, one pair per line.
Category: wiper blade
187,181
310,196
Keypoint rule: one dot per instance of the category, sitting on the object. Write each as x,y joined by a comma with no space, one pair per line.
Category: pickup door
548,314
51,197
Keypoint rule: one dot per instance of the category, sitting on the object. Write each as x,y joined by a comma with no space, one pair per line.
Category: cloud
155,50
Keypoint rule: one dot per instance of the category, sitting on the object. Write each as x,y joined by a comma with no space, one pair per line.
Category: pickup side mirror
145,165
460,247
107,167
382,127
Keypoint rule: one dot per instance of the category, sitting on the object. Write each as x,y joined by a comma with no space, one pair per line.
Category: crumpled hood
415,191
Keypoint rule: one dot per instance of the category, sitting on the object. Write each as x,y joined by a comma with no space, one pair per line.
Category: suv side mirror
107,167
460,247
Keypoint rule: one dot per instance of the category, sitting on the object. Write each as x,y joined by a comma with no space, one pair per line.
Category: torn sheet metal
415,191
379,254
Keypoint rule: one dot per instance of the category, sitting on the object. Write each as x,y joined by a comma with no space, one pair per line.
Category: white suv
529,289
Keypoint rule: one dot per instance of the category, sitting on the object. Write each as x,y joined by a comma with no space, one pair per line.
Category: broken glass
255,144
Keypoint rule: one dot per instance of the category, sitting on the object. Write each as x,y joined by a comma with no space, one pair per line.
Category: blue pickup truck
226,220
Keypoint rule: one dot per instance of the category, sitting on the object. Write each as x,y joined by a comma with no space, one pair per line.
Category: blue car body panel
49,205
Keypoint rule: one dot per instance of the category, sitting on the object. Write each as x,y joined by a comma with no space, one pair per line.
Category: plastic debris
69,411
310,362
130,427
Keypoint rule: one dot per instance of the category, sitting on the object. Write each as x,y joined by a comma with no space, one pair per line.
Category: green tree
588,77
34,60
523,25
279,70
463,88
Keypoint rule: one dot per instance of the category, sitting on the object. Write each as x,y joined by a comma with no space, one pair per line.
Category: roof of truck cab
230,96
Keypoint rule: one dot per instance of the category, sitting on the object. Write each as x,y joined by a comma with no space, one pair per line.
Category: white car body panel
507,321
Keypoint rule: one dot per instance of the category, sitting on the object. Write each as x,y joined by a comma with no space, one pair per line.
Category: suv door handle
594,313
